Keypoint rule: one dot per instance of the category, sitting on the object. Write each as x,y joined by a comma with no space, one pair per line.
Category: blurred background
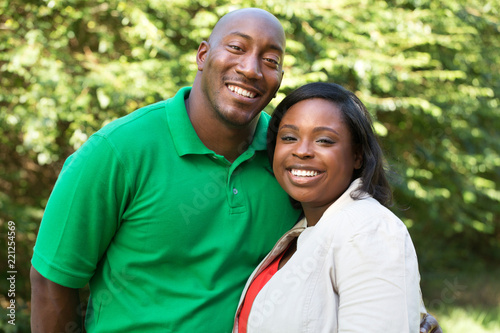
428,71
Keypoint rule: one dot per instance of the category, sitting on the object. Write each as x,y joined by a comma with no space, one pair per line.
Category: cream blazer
356,270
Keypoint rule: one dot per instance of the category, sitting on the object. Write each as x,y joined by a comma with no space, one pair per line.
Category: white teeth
241,92
304,173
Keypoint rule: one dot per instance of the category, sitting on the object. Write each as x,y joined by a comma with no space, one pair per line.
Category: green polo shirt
164,230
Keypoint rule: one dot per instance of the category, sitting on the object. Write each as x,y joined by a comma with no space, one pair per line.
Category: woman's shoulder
365,215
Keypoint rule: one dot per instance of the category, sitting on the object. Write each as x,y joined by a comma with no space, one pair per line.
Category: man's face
242,67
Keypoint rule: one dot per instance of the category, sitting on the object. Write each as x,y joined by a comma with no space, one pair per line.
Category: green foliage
468,319
428,70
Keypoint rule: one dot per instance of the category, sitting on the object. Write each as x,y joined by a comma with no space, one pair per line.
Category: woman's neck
313,214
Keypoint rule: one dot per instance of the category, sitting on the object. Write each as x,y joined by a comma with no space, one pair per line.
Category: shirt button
235,191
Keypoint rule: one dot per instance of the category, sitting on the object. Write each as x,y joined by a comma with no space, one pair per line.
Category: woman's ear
202,54
358,157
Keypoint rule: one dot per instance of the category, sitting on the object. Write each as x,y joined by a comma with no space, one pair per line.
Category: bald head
255,15
240,69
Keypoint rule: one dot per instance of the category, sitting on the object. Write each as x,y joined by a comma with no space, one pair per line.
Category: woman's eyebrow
325,128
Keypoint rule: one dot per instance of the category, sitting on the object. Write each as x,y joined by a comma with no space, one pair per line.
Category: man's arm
54,308
429,324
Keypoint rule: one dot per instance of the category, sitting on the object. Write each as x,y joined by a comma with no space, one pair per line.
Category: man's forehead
245,22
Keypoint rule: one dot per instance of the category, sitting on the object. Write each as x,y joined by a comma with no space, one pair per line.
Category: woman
349,265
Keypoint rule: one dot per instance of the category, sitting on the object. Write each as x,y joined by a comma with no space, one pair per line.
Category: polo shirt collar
259,141
185,139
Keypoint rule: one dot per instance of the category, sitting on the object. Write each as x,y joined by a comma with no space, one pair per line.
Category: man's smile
241,91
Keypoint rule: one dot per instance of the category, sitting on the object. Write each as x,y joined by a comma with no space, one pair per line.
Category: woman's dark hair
358,120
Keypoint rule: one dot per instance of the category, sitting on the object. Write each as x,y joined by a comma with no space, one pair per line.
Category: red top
255,287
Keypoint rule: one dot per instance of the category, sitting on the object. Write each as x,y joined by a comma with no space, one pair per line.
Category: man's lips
242,91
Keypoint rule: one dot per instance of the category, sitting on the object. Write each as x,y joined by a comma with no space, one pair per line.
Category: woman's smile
302,177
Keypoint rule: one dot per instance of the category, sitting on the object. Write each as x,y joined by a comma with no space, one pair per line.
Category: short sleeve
82,214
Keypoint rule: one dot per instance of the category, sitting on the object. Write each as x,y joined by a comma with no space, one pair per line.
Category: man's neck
216,135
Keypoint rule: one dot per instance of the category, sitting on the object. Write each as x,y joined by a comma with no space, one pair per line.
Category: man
166,212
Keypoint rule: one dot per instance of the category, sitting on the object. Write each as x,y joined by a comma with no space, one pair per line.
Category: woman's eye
326,141
287,138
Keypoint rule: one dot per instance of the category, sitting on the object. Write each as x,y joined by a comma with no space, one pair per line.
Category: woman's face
314,158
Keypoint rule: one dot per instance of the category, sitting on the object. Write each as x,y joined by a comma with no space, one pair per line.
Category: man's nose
249,66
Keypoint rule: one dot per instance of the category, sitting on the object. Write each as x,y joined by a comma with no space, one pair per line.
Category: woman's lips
304,176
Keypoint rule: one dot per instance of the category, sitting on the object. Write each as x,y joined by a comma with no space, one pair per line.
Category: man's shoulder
146,116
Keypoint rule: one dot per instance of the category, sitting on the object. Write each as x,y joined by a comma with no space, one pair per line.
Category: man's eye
237,48
272,61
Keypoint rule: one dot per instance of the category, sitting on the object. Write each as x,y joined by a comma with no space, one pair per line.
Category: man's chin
238,118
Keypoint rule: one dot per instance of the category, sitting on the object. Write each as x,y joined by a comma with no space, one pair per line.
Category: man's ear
202,54
276,92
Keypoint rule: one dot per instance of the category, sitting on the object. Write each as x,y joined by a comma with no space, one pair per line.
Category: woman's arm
378,279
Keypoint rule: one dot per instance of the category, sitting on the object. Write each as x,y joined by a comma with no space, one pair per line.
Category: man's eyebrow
248,37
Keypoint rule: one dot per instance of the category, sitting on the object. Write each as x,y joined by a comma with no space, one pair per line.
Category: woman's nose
303,150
